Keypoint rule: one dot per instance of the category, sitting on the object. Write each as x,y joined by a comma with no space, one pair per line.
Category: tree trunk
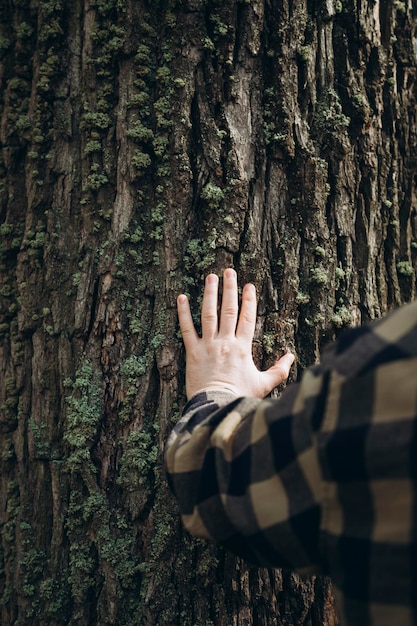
145,144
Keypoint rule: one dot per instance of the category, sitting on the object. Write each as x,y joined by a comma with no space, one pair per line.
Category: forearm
224,474
198,407
191,448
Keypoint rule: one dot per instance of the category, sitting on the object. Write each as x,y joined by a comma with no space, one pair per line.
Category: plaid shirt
323,479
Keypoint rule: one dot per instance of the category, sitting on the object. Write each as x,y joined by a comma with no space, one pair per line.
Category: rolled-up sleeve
324,478
246,474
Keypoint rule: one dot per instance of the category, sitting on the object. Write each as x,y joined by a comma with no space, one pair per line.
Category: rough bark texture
144,144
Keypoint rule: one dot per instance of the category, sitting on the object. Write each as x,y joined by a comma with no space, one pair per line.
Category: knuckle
230,311
224,349
209,317
248,318
187,330
282,372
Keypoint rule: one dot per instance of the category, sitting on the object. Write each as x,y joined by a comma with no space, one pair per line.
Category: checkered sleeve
246,474
323,478
367,446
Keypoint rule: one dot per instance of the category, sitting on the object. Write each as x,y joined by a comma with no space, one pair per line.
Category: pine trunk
144,144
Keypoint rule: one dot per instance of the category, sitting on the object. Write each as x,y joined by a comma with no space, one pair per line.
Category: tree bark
143,145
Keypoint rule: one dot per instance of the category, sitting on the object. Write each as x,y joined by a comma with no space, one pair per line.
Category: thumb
279,372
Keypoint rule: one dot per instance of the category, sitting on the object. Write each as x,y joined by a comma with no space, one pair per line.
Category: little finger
247,318
189,334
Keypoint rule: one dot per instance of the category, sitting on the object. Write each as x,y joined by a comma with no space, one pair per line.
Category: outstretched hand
222,357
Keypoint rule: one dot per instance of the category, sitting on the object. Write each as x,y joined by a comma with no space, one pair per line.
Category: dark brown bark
144,144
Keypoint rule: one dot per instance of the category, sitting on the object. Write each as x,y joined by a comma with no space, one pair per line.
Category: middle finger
209,321
230,305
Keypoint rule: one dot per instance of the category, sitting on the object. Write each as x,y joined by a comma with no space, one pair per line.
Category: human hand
222,357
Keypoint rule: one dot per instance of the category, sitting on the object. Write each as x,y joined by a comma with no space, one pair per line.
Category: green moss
11,396
23,122
101,121
100,536
7,453
401,7
137,256
31,563
13,509
342,317
4,45
135,326
320,252
208,44
163,75
6,291
213,195
329,116
93,145
139,132
82,561
50,29
138,460
132,368
162,109
110,539
55,595
76,279
219,27
96,180
200,253
40,438
23,30
302,298
131,371
157,340
269,343
19,91
319,276
405,268
357,100
83,416
141,160
143,55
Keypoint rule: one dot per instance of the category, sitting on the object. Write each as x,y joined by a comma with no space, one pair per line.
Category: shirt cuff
199,407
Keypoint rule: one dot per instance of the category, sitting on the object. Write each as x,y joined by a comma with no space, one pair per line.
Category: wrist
214,388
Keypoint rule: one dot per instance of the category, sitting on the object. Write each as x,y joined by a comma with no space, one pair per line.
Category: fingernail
229,273
290,354
211,278
182,299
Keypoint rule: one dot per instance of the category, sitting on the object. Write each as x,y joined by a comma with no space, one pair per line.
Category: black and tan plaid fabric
323,479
